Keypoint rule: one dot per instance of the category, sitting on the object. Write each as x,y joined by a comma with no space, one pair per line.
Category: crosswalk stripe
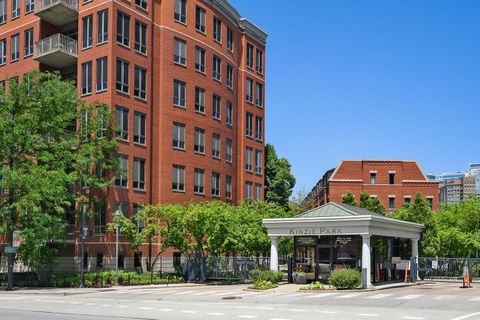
410,297
183,292
320,295
201,293
295,295
475,299
445,297
379,296
348,296
224,293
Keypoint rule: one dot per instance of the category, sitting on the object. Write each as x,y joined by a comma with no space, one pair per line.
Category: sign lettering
315,231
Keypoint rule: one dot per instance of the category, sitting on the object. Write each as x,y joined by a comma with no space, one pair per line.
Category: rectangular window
28,37
391,178
230,39
102,26
228,187
217,29
180,52
139,128
15,47
258,191
217,72
229,76
249,125
100,217
259,61
140,85
121,122
138,174
199,143
259,128
87,32
29,6
142,4
248,191
407,199
215,184
249,88
123,28
102,74
200,59
121,261
3,11
200,19
140,37
178,136
199,181
258,162
200,100
229,113
228,150
373,177
391,202
216,106
99,260
178,178
87,77
430,202
121,174
258,95
180,14
248,159
179,89
138,220
122,76
15,9
249,56
3,51
216,145
137,259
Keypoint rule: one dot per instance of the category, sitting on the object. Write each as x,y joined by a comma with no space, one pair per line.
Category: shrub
264,285
266,275
315,285
345,278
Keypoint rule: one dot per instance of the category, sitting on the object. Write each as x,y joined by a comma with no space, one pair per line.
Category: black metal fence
449,269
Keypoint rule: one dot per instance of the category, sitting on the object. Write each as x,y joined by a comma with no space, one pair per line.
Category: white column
415,255
274,254
366,267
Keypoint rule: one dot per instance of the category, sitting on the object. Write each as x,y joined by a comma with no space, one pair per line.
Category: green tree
54,150
279,181
349,199
370,203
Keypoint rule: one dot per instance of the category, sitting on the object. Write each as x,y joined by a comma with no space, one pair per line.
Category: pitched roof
333,209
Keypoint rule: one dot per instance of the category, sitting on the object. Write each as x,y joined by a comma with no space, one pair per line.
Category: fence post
244,269
290,270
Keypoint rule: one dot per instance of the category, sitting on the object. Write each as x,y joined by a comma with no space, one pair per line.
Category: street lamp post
116,217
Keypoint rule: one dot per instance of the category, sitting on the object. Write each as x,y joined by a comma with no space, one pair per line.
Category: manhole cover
231,298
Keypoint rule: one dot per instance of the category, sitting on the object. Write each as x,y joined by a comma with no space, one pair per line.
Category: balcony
57,12
58,51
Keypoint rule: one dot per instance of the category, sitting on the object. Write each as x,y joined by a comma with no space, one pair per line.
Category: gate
448,269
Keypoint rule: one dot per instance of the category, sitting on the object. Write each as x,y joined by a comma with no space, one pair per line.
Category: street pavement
232,302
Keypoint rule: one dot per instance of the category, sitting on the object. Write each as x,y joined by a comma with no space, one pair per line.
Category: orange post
466,279
406,272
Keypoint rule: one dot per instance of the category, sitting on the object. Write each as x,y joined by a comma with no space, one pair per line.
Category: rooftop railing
45,4
56,42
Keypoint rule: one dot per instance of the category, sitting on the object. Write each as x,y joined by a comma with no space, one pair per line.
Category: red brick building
186,81
394,182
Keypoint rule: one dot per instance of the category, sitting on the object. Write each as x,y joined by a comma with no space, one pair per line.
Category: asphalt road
231,302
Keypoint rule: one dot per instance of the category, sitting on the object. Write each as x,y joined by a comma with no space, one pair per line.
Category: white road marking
296,295
201,293
246,316
474,299
445,297
224,293
144,308
165,310
348,296
215,314
75,302
266,308
320,295
13,298
122,306
379,296
150,301
297,310
182,292
105,305
326,311
189,311
367,315
410,297
413,318
467,316
278,319
90,304
161,292
141,292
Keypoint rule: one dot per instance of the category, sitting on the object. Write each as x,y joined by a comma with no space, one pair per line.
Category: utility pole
83,233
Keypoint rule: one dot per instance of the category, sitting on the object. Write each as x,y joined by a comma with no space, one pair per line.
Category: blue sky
379,79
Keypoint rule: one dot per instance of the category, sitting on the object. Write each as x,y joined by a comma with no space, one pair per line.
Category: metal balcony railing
45,4
57,42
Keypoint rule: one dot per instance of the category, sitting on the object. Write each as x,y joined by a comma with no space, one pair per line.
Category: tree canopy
366,201
279,180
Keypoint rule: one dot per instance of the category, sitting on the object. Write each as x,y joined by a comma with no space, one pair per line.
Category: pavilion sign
315,231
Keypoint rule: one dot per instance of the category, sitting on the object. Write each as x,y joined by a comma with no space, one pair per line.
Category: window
100,217
3,11
142,4
200,19
258,95
29,6
99,260
138,174
15,47
407,199
216,106
140,85
178,136
123,28
258,191
15,9
249,95
230,39
216,145
199,181
228,187
121,261
180,52
217,68
122,76
391,202
102,74
200,59
217,29
102,27
140,37
249,125
248,159
259,61
215,184
229,76
179,88
229,113
180,14
199,144
87,77
248,191
121,174
137,260
259,128
3,51
87,32
228,150
258,162
391,177
373,177
178,178
430,202
200,100
139,128
28,37
121,122
249,56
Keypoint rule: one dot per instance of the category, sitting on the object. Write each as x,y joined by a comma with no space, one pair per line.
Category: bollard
290,270
364,278
406,272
